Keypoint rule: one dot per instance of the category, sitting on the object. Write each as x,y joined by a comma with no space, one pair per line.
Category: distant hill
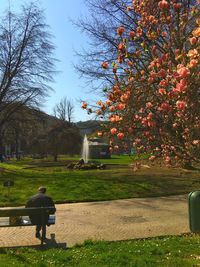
85,127
88,127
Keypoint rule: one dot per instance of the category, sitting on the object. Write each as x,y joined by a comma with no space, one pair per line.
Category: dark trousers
40,227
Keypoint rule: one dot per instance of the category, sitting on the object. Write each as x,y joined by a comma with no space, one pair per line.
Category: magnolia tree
155,99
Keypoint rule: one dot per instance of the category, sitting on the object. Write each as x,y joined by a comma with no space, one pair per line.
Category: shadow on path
48,244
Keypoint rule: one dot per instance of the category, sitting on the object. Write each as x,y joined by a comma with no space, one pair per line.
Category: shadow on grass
49,243
52,243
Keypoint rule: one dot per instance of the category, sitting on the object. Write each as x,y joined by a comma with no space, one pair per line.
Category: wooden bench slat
10,212
4,222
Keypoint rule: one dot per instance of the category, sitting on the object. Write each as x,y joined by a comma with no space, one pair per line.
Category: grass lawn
165,251
117,181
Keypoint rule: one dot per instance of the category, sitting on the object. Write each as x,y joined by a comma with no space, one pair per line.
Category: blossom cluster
155,103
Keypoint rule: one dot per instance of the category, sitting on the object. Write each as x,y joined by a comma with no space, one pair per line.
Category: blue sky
67,38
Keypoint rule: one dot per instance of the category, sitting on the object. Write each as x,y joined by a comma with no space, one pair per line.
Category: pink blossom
112,108
163,83
193,53
151,124
110,149
163,4
130,129
108,102
105,65
162,91
181,105
124,97
149,105
193,40
120,135
113,131
183,72
152,158
144,121
165,106
121,106
167,159
137,140
195,142
193,63
141,110
120,30
177,6
162,73
180,87
150,116
146,133
84,105
112,119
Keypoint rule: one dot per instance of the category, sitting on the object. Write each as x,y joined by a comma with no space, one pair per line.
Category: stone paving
107,220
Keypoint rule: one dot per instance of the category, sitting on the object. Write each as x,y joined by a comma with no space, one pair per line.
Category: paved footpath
107,220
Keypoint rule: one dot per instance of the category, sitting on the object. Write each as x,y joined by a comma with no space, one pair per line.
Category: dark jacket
40,200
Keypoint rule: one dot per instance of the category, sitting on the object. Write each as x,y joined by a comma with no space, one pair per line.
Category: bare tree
64,110
26,60
63,138
100,27
20,128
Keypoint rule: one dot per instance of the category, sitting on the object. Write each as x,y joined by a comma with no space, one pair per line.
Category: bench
15,217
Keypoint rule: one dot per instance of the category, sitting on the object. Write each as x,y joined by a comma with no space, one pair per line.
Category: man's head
42,189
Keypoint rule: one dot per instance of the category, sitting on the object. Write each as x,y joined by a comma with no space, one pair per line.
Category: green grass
117,159
168,251
63,159
117,181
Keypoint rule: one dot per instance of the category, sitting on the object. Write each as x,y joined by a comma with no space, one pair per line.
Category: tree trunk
1,146
55,157
17,145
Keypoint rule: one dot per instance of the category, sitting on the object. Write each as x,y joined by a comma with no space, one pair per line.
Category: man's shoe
37,235
44,238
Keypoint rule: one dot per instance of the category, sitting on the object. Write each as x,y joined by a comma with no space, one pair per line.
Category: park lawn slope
116,182
179,251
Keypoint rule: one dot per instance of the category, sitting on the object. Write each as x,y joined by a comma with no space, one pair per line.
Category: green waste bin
194,211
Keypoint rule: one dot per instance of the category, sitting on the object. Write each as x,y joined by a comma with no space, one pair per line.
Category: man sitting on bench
40,200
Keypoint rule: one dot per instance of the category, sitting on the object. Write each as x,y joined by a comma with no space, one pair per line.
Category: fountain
83,164
85,150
